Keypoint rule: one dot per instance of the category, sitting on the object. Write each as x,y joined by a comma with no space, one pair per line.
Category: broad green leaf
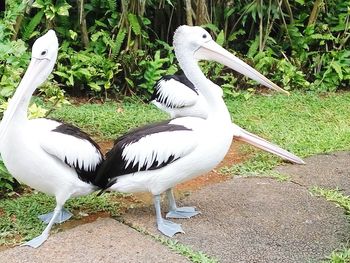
130,82
135,26
336,66
71,80
94,86
220,39
62,10
212,27
38,4
73,35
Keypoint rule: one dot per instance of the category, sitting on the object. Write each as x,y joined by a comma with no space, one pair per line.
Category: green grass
19,217
109,120
304,124
341,255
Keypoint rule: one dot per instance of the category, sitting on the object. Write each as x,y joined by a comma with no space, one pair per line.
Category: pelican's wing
70,145
174,91
148,148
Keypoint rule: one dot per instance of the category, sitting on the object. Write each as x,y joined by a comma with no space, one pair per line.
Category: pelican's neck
17,110
216,105
21,111
19,103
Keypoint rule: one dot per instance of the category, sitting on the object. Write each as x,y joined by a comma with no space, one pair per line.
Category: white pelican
49,156
156,157
178,97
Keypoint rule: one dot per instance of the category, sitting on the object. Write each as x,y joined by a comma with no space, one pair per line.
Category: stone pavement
243,220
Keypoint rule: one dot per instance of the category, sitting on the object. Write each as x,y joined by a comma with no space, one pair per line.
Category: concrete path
243,220
103,241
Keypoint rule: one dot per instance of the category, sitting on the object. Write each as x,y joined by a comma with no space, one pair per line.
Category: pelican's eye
43,53
204,36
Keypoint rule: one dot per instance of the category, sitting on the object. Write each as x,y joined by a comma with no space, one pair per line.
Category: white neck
216,106
17,110
19,103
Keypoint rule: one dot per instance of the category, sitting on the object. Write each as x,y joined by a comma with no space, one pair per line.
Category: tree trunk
188,12
289,11
314,12
202,16
82,23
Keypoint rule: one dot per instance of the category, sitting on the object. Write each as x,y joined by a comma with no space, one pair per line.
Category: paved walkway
243,220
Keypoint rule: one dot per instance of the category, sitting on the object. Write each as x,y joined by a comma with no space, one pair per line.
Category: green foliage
299,45
154,70
86,69
52,10
339,256
29,29
6,180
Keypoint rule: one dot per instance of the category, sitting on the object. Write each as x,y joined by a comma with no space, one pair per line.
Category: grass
304,124
341,255
109,120
19,217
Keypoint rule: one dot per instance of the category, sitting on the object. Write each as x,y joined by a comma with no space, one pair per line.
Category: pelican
47,155
178,97
156,157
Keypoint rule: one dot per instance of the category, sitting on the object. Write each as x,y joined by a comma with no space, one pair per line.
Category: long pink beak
245,136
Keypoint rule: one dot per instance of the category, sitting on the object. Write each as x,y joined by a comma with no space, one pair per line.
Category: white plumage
49,156
177,96
156,157
76,152
177,88
158,147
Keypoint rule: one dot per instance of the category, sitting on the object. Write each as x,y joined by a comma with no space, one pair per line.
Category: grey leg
168,228
39,240
178,212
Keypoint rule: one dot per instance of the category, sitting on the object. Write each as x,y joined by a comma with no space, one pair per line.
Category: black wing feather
87,176
115,165
180,78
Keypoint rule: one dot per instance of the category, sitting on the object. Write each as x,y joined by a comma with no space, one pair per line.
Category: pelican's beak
212,51
243,135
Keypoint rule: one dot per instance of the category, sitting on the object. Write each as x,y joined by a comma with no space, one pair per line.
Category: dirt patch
105,146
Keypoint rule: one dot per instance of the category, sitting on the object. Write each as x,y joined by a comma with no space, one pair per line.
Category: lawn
304,123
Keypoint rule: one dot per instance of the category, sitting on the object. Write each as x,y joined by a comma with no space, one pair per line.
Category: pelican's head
190,38
193,42
44,55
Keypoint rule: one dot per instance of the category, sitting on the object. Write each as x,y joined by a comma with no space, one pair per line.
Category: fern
30,27
119,41
135,26
112,4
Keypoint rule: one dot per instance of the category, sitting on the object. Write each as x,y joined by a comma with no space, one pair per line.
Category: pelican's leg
64,215
178,212
167,227
37,241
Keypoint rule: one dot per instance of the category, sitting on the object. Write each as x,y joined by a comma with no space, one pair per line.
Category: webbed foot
63,215
182,212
